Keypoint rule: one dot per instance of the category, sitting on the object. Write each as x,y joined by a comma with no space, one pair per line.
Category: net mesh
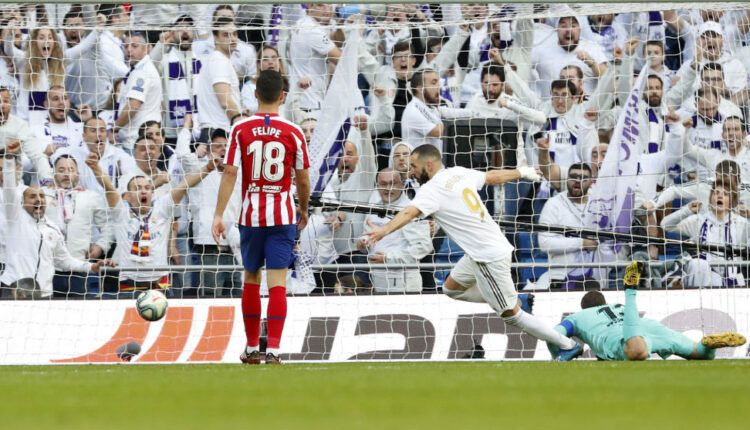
633,114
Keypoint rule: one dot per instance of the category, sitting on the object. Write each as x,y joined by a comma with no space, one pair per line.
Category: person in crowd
682,97
202,201
734,146
709,47
712,222
146,153
179,66
268,59
406,246
140,96
112,160
218,84
90,78
568,48
18,171
568,209
422,121
41,66
35,247
395,28
142,225
60,130
243,55
82,218
14,129
310,50
495,102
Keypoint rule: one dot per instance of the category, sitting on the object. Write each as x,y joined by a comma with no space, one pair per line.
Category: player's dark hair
493,69
269,86
579,166
418,79
427,152
593,298
559,84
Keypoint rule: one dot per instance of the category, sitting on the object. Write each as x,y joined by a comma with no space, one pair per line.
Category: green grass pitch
457,395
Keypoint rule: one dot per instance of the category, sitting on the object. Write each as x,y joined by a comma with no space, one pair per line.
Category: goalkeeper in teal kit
617,332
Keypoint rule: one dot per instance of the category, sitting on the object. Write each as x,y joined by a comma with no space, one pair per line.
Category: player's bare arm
405,216
302,182
228,179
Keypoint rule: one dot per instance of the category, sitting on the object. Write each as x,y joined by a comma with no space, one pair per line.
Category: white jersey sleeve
427,199
477,177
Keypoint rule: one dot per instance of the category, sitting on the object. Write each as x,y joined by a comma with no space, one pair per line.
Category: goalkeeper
617,332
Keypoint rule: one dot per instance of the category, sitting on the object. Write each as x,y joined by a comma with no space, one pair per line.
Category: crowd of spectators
114,122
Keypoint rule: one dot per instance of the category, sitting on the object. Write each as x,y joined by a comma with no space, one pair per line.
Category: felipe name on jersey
266,131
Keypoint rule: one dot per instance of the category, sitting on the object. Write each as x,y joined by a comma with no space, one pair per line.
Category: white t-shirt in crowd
216,69
68,134
127,225
142,84
309,48
549,59
418,121
451,198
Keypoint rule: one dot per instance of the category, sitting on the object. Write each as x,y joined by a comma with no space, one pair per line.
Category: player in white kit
483,274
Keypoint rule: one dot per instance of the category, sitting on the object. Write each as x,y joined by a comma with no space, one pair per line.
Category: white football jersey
451,198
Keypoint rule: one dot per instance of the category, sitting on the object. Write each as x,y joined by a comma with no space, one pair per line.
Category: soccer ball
151,305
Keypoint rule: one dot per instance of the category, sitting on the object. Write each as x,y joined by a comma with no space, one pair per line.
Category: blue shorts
274,245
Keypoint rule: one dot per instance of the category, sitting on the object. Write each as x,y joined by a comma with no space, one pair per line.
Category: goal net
115,121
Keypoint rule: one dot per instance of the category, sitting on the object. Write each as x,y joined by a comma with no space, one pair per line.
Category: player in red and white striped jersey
271,152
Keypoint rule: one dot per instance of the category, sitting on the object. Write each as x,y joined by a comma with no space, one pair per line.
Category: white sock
469,295
249,349
535,327
274,351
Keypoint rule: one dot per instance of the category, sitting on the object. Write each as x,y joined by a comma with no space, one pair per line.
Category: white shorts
493,280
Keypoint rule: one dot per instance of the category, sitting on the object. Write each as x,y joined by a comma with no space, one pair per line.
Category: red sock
276,315
251,313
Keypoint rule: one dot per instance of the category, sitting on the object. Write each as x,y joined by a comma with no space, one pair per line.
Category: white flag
612,198
341,100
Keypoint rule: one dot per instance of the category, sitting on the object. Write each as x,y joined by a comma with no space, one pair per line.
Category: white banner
419,327
613,211
341,100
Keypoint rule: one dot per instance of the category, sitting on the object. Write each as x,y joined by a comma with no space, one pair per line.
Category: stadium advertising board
414,327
